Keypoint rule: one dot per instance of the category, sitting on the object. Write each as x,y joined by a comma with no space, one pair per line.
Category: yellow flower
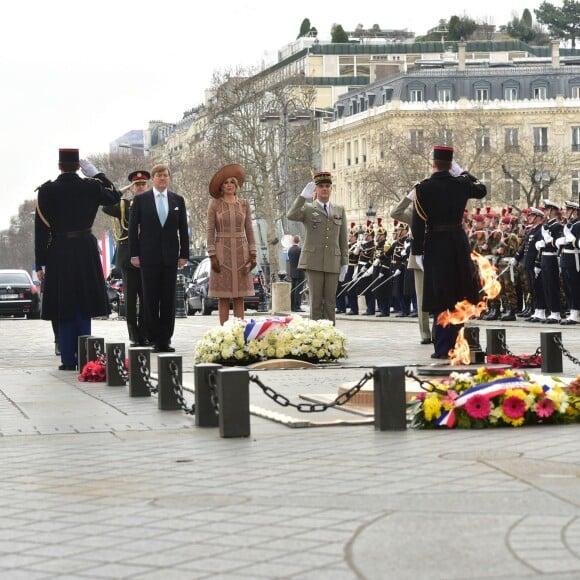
431,407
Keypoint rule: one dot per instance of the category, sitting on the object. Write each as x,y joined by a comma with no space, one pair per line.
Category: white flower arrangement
309,340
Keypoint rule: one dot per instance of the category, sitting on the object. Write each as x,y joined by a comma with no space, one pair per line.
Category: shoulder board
45,183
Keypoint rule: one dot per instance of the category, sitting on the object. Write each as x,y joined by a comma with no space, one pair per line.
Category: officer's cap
139,176
68,155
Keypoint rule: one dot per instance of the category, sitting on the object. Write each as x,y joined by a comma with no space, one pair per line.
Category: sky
83,74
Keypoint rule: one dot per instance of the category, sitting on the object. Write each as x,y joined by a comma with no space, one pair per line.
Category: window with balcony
512,189
540,92
511,140
482,94
541,139
510,94
356,152
416,140
575,92
482,140
576,139
446,137
444,95
348,153
416,95
486,178
575,183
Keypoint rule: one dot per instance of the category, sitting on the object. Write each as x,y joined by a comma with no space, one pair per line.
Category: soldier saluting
66,251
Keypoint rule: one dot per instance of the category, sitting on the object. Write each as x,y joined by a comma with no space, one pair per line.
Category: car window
14,278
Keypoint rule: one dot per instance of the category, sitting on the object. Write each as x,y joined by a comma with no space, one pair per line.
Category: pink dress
230,237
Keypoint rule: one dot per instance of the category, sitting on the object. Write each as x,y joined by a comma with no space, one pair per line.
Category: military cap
322,177
536,212
139,176
548,204
380,229
572,204
442,153
68,155
369,230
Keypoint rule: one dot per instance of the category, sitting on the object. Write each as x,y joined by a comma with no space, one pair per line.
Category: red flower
545,407
514,407
478,407
93,372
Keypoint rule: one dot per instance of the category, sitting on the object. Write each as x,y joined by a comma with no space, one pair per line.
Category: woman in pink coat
231,245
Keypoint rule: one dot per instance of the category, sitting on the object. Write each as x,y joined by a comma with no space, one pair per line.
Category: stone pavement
96,485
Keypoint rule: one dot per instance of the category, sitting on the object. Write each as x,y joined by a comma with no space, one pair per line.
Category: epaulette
45,183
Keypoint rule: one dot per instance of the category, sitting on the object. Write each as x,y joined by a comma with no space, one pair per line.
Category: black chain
422,382
283,401
121,368
522,361
212,381
178,389
100,356
565,352
146,374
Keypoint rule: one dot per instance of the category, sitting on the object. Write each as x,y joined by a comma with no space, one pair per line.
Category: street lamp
371,213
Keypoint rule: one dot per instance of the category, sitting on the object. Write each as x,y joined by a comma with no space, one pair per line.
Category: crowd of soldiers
536,254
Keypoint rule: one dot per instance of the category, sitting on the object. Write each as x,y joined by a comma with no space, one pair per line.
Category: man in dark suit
438,235
296,275
132,286
159,244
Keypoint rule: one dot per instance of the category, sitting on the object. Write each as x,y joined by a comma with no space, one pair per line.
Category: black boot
509,315
493,314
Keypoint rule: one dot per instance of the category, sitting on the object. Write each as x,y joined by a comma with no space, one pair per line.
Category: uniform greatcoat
74,282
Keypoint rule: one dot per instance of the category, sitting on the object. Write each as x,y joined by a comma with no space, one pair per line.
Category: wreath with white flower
292,338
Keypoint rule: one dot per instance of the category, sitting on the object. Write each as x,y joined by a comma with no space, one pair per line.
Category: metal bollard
551,353
114,377
389,398
471,335
95,345
205,414
180,307
167,399
234,402
82,355
495,341
137,385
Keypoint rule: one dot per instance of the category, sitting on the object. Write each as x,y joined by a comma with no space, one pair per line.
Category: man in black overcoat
159,244
441,245
67,255
297,275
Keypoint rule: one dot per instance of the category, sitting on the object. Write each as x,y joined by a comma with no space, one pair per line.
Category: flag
259,328
107,251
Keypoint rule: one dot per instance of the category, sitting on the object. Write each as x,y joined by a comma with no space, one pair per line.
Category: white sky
82,74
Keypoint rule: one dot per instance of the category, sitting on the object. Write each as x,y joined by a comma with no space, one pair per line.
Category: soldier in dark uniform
548,260
403,287
132,287
570,262
528,253
74,286
440,243
297,275
354,246
381,288
365,268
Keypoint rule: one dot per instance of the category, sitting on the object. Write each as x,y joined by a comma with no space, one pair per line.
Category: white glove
455,170
419,260
368,272
561,242
88,169
411,194
308,191
355,273
403,252
570,237
513,262
397,273
376,262
547,236
537,271
342,274
540,244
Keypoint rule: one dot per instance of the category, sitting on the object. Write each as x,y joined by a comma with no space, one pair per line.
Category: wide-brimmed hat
227,171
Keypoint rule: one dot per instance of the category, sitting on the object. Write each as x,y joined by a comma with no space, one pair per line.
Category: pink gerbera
478,407
514,407
545,407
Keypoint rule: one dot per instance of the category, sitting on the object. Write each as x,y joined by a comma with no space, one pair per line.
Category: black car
196,292
19,295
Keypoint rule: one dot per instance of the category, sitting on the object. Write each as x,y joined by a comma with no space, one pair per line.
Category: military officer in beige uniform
324,255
